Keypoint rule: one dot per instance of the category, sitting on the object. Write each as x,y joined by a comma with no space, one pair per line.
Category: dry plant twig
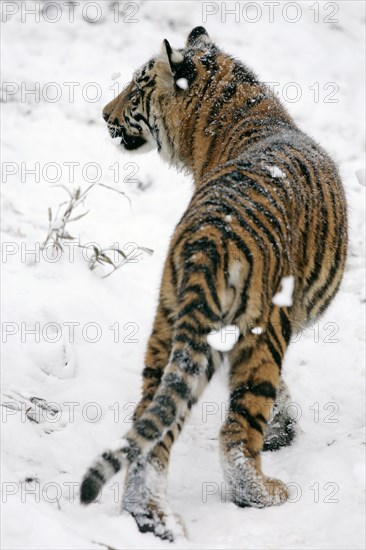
58,232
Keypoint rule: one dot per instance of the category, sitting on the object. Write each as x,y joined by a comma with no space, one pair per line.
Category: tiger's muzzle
128,141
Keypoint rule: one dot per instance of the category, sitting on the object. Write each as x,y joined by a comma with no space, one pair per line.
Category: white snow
223,339
91,377
361,176
116,75
182,83
276,172
118,444
284,296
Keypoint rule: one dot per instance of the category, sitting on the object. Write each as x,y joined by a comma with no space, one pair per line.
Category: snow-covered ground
86,354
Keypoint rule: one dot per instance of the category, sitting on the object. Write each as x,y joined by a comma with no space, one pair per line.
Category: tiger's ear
174,66
198,37
173,58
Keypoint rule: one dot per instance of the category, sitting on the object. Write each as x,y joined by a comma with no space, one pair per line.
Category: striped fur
268,203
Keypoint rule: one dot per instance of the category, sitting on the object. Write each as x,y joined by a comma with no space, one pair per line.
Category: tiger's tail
189,370
103,469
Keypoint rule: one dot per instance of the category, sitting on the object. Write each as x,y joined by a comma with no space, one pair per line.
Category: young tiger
268,204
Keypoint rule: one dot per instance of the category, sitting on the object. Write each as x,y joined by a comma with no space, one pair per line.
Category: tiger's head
153,110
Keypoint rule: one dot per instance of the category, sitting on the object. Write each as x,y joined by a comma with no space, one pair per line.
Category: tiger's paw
166,526
280,433
248,486
261,494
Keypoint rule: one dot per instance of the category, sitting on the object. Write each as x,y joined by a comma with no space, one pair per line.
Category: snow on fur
283,298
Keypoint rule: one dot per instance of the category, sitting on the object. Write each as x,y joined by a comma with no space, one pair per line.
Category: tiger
268,207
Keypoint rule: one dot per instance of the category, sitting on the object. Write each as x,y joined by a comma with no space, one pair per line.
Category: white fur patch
205,39
234,273
177,57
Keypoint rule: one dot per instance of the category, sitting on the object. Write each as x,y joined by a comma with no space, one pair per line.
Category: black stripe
263,389
147,429
177,384
165,344
187,326
197,289
153,373
170,436
210,369
276,356
112,460
184,360
285,326
164,408
96,473
242,357
173,271
260,417
198,347
332,272
163,446
203,245
239,409
201,307
139,116
166,312
274,336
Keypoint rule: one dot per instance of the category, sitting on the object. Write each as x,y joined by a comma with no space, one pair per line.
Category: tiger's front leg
145,494
254,382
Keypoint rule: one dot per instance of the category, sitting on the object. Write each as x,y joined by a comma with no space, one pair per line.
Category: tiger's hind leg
281,429
255,364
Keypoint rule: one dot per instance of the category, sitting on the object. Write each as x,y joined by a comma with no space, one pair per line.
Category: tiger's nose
106,116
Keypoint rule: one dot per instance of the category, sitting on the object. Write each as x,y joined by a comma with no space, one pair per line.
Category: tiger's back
284,214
